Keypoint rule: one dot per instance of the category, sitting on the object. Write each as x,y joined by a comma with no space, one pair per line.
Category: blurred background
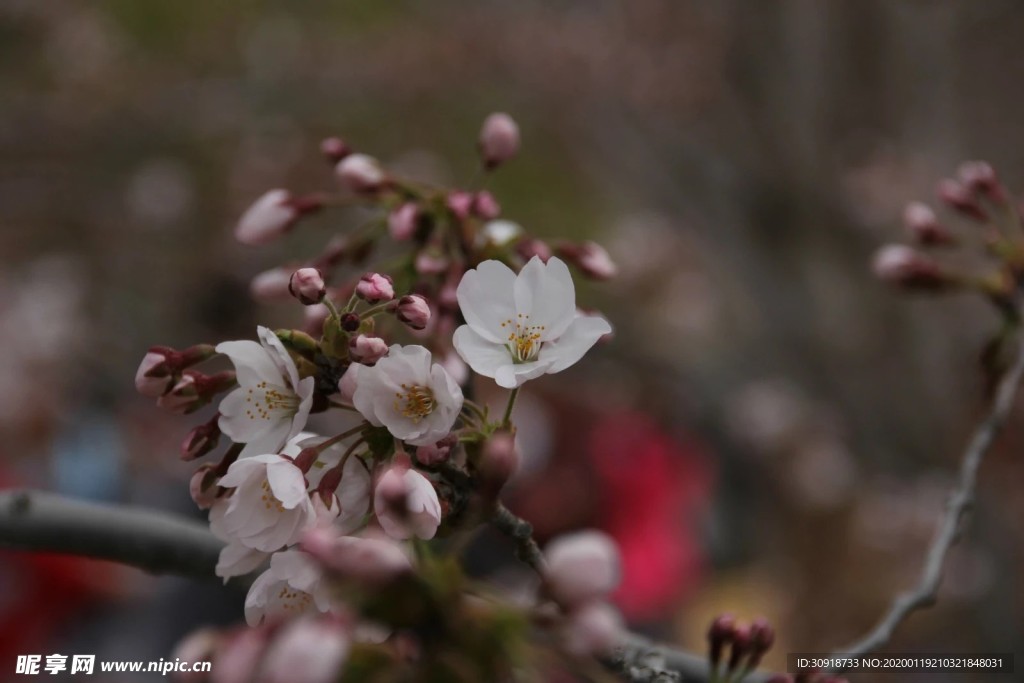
771,432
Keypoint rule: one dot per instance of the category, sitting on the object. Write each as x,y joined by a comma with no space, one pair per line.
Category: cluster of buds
735,649
977,196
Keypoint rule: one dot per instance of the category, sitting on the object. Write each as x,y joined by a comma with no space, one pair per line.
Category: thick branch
150,540
961,500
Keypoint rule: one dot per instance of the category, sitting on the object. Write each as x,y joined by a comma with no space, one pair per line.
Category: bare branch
925,592
519,530
153,541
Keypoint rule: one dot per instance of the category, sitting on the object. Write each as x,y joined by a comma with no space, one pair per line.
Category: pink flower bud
203,486
591,258
531,247
486,206
924,227
201,440
593,629
272,285
431,260
307,285
347,384
460,203
308,650
267,218
360,173
436,453
414,311
350,322
762,637
981,178
499,461
335,149
900,265
154,377
402,222
581,567
366,349
740,646
239,654
499,139
367,560
961,198
374,288
405,502
720,634
183,397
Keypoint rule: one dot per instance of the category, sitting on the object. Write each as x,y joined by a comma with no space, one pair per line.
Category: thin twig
153,541
925,592
519,530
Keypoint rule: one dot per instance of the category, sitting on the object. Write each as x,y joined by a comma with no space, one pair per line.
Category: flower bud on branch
307,285
499,140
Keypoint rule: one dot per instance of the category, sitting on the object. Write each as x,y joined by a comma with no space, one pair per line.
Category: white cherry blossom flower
352,496
237,559
269,508
270,405
418,401
523,326
290,587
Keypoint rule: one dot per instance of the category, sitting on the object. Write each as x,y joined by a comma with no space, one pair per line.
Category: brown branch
153,541
521,531
925,592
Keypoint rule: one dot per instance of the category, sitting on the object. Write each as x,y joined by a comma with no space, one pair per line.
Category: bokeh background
771,431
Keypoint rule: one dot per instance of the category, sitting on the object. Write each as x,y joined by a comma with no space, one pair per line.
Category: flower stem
343,406
340,437
506,421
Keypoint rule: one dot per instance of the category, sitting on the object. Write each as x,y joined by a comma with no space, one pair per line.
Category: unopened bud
431,260
593,629
762,637
499,139
361,173
740,646
194,390
436,453
962,198
272,285
924,227
350,322
202,439
370,560
272,215
154,377
720,633
903,266
499,233
307,285
367,350
374,288
591,258
414,311
530,247
335,149
499,462
981,178
203,486
485,206
402,222
460,203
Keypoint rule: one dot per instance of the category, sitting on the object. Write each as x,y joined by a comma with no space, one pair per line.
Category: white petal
240,471
486,298
252,362
279,355
297,568
485,356
516,374
577,340
256,599
270,442
235,422
287,483
236,559
354,490
545,293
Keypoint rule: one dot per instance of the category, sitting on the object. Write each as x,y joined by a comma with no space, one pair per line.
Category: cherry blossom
417,400
269,508
291,586
271,404
523,326
406,503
